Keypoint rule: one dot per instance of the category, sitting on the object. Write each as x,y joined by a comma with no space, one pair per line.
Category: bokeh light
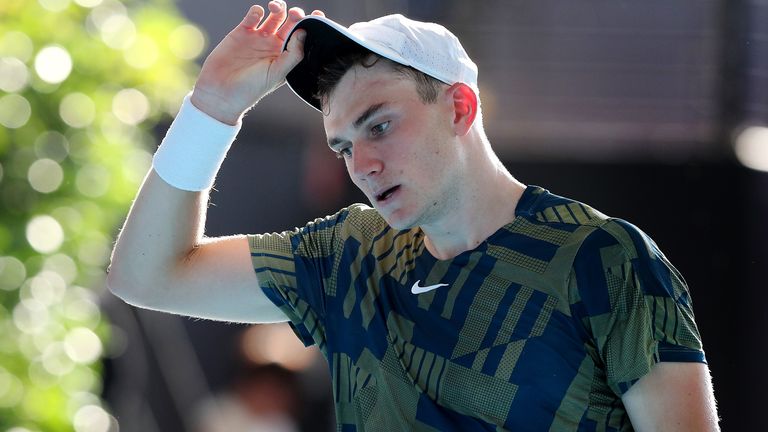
80,306
11,389
102,12
80,81
30,316
44,234
25,342
92,180
751,148
187,41
47,287
88,3
92,418
15,111
45,175
63,265
53,64
82,345
69,218
77,110
14,75
12,273
142,53
52,145
54,5
52,333
80,145
55,359
79,381
130,106
118,31
16,44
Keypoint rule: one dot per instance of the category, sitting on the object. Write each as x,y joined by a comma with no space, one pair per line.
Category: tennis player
460,298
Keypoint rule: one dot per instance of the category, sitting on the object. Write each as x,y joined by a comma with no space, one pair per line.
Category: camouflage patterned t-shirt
542,327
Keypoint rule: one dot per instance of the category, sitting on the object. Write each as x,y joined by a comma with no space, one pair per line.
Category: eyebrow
368,113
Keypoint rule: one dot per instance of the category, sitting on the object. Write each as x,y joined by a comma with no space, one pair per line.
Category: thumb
293,53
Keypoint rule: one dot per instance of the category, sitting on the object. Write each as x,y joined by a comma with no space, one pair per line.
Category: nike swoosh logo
416,289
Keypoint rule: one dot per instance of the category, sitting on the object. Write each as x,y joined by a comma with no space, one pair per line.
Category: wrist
193,149
215,106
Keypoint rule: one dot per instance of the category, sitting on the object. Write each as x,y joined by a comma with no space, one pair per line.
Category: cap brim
325,41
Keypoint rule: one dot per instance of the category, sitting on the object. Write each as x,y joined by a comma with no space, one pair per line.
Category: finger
276,17
295,15
253,17
318,13
293,53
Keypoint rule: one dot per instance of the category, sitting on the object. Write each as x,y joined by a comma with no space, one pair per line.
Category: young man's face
398,150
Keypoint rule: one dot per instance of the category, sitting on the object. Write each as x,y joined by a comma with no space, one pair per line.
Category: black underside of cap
322,45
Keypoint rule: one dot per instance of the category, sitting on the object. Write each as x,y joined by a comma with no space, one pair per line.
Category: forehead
362,87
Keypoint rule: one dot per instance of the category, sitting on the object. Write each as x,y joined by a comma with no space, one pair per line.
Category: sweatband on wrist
193,149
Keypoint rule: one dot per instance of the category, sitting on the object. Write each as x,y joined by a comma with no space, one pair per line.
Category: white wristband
193,149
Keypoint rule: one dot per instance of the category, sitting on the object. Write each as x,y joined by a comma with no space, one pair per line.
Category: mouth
386,194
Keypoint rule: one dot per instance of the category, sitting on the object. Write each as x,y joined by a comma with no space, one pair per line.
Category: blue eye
380,128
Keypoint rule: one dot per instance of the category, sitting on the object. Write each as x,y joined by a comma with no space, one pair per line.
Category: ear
464,107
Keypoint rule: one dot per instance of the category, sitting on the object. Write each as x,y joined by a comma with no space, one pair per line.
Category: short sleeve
638,307
292,268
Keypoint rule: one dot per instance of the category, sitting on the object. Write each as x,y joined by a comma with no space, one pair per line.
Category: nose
366,162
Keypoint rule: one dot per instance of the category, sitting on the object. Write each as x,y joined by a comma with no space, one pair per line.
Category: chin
398,221
400,215
398,225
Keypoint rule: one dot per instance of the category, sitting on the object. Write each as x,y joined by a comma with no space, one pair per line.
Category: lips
384,195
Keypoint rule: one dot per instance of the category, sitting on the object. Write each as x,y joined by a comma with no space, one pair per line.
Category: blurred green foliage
82,84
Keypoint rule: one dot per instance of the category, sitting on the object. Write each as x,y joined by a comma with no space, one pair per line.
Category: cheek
411,141
349,166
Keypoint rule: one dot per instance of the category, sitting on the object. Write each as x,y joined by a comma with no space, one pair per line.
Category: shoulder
364,225
357,223
355,217
563,226
365,219
582,241
562,222
616,264
587,228
547,208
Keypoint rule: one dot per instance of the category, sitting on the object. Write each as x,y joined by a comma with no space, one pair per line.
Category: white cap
426,47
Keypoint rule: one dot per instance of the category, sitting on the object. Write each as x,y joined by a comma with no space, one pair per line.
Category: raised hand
249,62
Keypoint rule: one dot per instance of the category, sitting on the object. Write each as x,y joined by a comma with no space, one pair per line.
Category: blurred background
654,111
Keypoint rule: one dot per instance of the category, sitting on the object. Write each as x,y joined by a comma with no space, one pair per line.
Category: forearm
167,219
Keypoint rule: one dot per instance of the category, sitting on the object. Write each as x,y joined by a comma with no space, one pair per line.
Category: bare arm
161,259
673,397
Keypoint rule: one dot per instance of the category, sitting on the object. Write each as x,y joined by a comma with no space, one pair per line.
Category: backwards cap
427,47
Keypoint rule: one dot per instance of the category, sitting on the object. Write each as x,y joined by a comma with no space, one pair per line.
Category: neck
486,204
